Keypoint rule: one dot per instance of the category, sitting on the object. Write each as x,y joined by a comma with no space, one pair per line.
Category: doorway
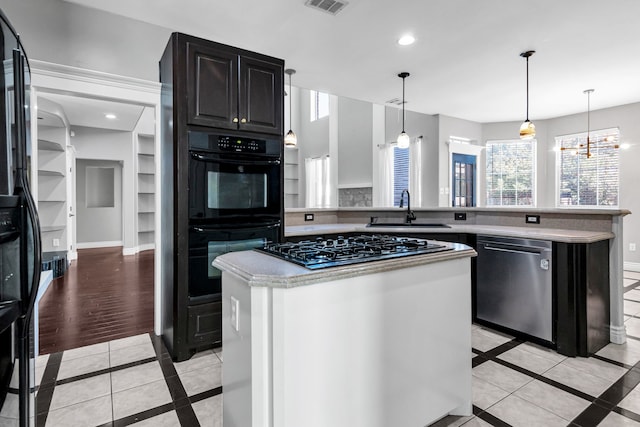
463,192
108,291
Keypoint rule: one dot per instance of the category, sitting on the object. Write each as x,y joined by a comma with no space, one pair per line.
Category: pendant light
600,142
290,139
527,128
588,92
403,139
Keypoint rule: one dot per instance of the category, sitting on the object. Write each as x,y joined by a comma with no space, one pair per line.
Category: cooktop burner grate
324,253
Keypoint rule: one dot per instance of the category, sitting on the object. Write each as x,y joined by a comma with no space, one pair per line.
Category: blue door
464,180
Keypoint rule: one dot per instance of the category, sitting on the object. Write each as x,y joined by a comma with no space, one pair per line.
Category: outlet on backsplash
308,217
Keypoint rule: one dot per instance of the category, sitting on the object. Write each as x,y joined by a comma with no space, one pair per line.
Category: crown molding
67,72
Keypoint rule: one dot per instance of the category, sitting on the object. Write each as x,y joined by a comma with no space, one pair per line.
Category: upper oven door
231,188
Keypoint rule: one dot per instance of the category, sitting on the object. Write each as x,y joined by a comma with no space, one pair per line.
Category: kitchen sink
410,224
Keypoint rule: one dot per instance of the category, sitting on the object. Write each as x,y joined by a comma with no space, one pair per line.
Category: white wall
98,226
355,157
101,144
65,33
417,124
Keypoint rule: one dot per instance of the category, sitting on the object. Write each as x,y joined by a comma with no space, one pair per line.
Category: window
319,107
400,173
589,181
400,169
510,173
318,182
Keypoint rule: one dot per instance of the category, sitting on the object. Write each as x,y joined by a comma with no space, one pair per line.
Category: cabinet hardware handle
235,120
243,121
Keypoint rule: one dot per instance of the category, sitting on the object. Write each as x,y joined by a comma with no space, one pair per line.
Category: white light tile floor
126,382
133,381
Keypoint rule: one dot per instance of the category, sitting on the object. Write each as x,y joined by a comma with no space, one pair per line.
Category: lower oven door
208,242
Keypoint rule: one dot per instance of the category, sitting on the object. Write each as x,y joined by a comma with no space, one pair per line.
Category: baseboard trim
135,249
130,251
146,247
92,245
632,266
617,334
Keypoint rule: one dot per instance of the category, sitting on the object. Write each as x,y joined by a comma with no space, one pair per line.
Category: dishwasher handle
536,251
514,249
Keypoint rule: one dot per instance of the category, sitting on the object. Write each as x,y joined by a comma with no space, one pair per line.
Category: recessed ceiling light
110,116
406,40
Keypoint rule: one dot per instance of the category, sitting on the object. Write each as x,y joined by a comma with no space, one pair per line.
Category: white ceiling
90,112
465,62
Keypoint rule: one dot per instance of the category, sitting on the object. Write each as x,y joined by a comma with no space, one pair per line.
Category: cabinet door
212,89
261,95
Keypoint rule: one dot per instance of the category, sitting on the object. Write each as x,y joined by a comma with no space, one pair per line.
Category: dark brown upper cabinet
232,90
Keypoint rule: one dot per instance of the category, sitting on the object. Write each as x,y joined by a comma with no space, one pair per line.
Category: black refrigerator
20,254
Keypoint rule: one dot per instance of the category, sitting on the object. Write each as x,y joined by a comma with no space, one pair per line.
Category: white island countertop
262,270
553,234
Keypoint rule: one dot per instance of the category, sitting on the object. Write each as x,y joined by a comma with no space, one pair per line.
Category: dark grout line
613,362
627,413
608,400
546,380
491,419
205,394
105,371
47,385
182,405
144,415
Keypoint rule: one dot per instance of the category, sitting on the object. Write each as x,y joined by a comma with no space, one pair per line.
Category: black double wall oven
235,204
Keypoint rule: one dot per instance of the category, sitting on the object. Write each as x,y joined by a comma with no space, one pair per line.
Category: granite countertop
530,210
556,235
262,270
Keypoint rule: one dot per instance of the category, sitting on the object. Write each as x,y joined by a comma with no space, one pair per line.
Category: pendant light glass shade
403,139
290,139
527,128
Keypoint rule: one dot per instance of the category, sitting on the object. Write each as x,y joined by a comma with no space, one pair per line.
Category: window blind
590,181
510,173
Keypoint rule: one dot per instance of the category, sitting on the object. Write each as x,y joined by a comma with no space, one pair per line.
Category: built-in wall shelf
43,172
50,228
44,144
52,169
146,191
291,178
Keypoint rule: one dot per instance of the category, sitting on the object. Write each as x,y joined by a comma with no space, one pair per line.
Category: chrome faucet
410,215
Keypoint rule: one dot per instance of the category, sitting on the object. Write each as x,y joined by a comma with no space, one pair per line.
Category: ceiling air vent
394,101
329,6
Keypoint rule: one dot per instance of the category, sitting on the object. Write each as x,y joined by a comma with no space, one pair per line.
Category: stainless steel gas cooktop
324,253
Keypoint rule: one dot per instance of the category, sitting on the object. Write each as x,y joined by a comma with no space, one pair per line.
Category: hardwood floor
102,296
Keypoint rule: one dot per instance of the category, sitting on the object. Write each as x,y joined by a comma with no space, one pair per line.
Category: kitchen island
372,344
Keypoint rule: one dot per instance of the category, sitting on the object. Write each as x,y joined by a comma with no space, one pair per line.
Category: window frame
534,173
315,97
558,167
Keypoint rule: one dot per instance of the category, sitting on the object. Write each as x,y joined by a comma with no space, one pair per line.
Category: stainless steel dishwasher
514,284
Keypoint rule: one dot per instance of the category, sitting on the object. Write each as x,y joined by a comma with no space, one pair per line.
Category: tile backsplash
355,197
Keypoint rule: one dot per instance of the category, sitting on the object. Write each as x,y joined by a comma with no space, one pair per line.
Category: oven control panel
241,145
225,143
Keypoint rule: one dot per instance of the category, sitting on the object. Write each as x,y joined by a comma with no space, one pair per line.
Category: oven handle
205,229
204,158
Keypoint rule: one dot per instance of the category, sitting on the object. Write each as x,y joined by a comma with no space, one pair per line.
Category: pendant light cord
527,89
290,96
403,104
